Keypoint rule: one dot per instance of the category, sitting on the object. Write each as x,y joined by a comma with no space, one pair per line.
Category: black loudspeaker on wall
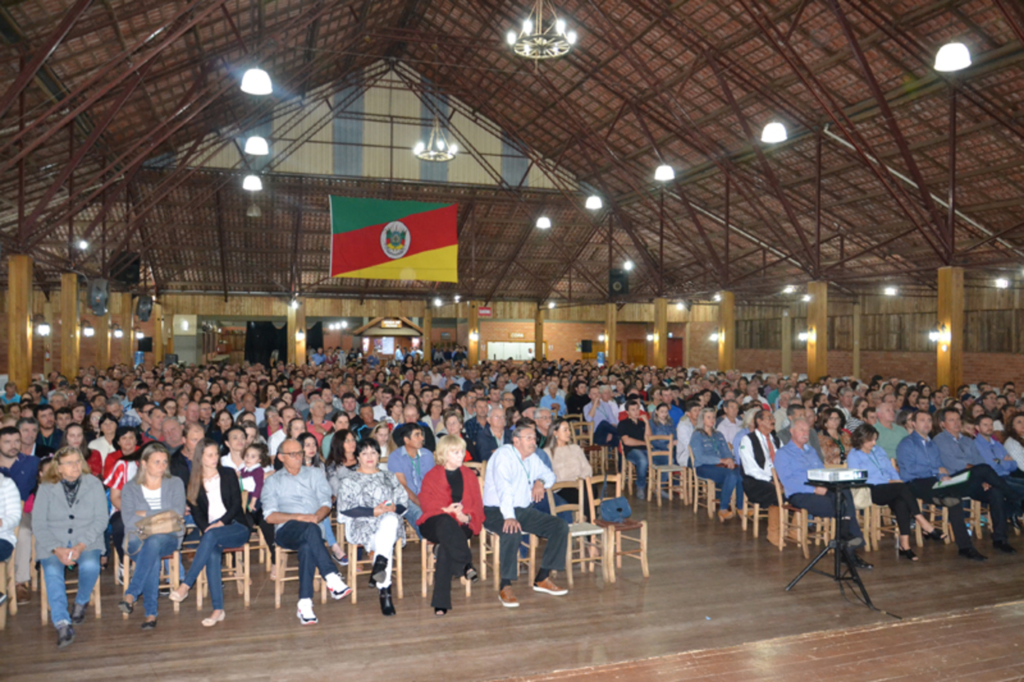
618,283
126,267
145,307
99,296
586,346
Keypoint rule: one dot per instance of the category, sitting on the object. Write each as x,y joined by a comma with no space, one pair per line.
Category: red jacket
108,465
435,493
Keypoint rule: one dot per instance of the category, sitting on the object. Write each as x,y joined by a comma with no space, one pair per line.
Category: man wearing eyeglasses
296,499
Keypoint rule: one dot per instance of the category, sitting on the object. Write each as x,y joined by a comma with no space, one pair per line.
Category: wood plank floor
710,588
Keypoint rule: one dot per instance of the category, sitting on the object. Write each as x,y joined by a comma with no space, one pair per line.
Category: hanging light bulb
138,335
253,211
560,26
457,298
295,303
571,37
628,265
418,149
118,333
718,297
774,133
664,173
437,303
680,306
551,305
88,331
252,183
594,202
544,222
256,146
952,57
510,37
453,148
527,26
256,81
789,289
83,245
440,145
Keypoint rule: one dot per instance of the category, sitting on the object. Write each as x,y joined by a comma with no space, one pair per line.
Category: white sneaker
337,587
305,615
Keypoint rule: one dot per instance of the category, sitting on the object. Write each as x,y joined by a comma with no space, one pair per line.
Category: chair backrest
660,445
595,483
480,469
582,432
576,509
778,488
689,457
574,418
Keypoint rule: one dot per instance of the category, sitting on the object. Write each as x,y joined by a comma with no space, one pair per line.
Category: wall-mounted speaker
144,308
126,267
98,296
586,346
618,283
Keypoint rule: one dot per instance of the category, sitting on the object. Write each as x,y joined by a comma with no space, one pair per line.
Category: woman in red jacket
453,512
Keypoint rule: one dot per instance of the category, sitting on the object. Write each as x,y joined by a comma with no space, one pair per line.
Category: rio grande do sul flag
404,240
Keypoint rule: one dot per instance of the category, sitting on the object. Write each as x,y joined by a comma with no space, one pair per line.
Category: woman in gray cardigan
68,520
154,490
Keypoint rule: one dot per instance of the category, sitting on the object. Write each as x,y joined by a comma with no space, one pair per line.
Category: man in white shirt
730,425
684,432
845,406
516,479
757,456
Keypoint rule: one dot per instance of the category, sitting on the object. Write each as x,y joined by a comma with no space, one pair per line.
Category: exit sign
484,311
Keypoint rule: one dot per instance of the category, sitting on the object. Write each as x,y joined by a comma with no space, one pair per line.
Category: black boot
379,571
386,606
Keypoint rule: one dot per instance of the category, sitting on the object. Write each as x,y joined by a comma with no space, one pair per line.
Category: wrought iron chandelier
542,37
437,148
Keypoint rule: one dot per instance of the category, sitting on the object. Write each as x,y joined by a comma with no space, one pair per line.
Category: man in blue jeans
633,436
296,499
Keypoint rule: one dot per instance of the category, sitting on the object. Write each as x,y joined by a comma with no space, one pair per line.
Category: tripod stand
837,546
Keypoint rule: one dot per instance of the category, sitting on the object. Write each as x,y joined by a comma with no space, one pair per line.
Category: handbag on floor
614,510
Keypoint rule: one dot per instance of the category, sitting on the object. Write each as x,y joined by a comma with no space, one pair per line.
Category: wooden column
300,333
158,334
726,331
103,341
473,349
169,330
687,336
538,334
856,338
817,331
127,329
950,347
787,342
428,324
70,326
19,320
48,339
292,327
660,332
610,338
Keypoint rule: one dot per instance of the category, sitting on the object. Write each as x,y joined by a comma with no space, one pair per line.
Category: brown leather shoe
24,593
549,587
508,600
724,516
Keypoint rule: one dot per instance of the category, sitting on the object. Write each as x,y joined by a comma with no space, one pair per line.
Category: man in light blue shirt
552,401
792,462
516,479
410,468
603,414
296,499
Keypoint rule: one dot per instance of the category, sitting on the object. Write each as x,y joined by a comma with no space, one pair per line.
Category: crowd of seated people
381,447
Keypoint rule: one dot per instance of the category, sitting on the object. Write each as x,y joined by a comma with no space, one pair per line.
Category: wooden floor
710,588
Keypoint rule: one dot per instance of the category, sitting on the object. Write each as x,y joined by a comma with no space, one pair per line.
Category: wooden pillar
428,325
660,332
292,327
103,341
158,334
300,333
610,337
950,347
856,338
687,337
726,331
127,329
817,331
169,330
70,326
787,342
19,320
48,339
538,334
473,349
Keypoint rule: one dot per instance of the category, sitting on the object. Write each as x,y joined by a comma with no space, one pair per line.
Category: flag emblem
395,239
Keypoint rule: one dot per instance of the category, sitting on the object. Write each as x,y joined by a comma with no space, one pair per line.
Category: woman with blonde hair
453,512
68,521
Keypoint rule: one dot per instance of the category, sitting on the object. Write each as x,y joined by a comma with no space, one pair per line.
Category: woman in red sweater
453,512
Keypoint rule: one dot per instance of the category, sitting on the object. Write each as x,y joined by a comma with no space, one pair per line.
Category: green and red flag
405,240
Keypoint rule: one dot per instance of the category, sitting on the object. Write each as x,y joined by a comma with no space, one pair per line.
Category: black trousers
825,506
922,489
760,492
1001,500
536,523
117,534
453,555
267,529
899,498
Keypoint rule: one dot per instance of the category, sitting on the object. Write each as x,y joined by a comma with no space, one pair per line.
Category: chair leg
281,562
353,568
608,561
568,561
200,587
175,577
397,574
643,549
495,559
44,603
712,491
423,568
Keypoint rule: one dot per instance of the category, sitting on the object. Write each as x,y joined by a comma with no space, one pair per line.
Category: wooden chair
583,536
236,570
428,564
72,588
938,516
170,577
259,543
794,523
619,533
626,469
364,566
490,545
582,432
9,587
752,512
286,575
704,492
663,446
